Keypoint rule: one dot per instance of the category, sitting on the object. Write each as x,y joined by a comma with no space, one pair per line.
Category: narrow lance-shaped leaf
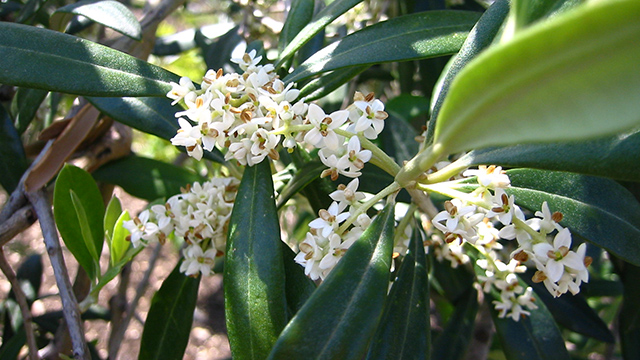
479,38
629,326
404,331
454,340
13,161
299,15
341,316
319,22
42,59
409,37
578,67
254,278
109,13
74,179
166,330
24,106
326,84
598,209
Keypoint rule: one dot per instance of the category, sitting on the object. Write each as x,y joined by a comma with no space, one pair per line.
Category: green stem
416,167
447,172
379,158
393,187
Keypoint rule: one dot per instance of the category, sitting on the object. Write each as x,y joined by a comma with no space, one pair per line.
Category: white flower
347,195
549,221
356,156
198,261
247,61
190,137
336,250
491,177
368,116
454,211
504,207
552,259
143,230
179,91
323,134
329,219
310,256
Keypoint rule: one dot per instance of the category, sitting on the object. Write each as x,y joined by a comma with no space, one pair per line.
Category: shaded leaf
24,106
327,83
613,156
339,319
300,14
109,13
404,331
453,342
169,321
598,209
308,173
40,58
153,179
323,18
629,325
78,181
13,161
593,47
398,138
298,286
254,274
415,36
480,37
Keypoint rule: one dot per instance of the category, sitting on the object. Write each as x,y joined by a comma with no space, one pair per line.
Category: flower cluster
200,215
541,242
323,246
248,115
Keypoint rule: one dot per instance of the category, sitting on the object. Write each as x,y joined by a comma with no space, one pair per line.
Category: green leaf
166,330
327,83
305,175
152,115
453,342
315,26
542,85
41,59
572,311
613,156
300,14
415,36
598,209
13,161
398,138
629,326
407,106
341,316
69,223
153,179
535,337
85,228
119,244
109,13
480,37
298,286
404,331
254,275
111,215
24,106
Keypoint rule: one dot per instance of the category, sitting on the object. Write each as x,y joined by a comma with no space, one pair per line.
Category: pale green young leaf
119,243
568,78
85,228
111,215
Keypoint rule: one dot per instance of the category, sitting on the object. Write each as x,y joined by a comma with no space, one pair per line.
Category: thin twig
118,335
24,306
17,223
70,307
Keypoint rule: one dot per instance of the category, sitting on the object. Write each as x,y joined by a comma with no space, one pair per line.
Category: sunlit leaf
40,58
109,13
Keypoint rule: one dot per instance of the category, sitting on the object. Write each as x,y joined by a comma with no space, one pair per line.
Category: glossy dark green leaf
404,331
398,138
254,274
535,337
298,286
598,209
303,176
40,58
74,179
317,192
629,325
548,60
85,227
407,106
24,106
327,83
300,14
109,13
315,26
341,316
13,161
169,321
479,38
153,178
415,36
613,156
451,283
572,312
453,342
